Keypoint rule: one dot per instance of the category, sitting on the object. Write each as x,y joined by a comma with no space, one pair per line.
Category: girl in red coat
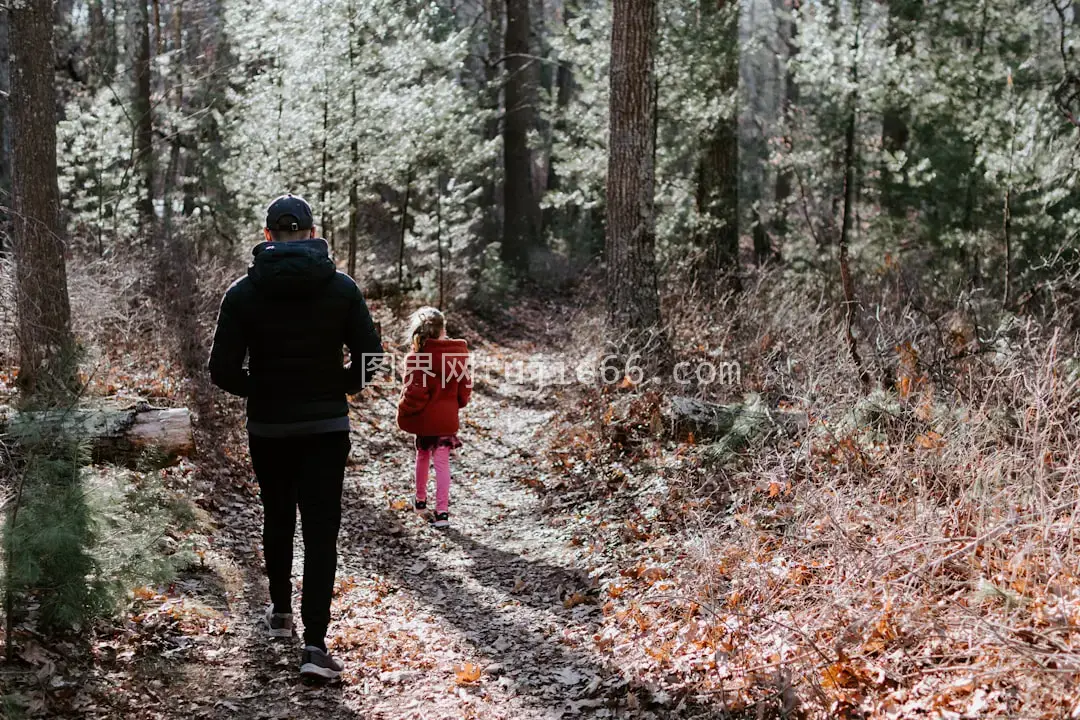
437,385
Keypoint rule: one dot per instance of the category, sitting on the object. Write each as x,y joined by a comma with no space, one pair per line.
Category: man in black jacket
290,316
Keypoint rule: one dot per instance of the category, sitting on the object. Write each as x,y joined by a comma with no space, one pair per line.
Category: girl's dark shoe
419,505
441,521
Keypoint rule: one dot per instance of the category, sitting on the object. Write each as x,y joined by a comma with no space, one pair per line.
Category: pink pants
442,476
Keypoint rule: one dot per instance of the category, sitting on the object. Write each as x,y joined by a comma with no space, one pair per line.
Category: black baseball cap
289,212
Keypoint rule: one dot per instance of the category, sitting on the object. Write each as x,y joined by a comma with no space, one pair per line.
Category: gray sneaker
278,625
317,663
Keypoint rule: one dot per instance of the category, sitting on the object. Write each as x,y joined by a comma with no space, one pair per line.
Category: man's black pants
305,471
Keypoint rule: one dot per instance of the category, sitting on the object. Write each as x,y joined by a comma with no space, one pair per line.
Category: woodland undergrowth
908,548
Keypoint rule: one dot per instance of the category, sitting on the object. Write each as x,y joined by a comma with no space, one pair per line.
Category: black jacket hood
293,268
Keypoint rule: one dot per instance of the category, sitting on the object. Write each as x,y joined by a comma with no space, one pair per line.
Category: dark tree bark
541,85
100,57
785,179
967,220
142,112
324,182
438,236
354,153
5,128
718,166
633,296
404,225
159,42
522,207
851,305
46,345
175,169
492,197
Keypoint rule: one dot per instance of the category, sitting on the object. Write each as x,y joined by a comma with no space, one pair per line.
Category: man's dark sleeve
227,369
365,346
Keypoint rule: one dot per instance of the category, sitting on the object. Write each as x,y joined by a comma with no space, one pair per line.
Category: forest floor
600,564
496,618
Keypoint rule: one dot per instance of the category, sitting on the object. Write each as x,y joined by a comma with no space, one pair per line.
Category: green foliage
970,83
77,539
955,126
47,535
581,128
384,75
696,95
12,707
143,531
95,146
494,283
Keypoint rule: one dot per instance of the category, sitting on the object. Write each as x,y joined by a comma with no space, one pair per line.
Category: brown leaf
575,599
466,674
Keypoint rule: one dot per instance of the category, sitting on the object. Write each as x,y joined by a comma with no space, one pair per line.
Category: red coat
437,385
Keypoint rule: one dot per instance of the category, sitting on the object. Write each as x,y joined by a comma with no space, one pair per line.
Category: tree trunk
112,41
520,202
967,222
438,236
717,195
99,41
491,231
46,346
5,127
142,112
354,152
174,170
159,40
633,297
324,188
903,17
541,84
850,199
404,226
785,179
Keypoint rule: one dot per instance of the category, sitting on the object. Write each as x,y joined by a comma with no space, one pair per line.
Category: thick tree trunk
46,345
142,112
633,297
521,204
718,167
5,128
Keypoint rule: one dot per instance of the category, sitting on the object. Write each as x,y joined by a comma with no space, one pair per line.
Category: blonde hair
424,324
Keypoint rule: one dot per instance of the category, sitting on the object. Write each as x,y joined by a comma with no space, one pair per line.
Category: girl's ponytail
424,324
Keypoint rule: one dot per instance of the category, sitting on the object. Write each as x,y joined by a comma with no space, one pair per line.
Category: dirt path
492,619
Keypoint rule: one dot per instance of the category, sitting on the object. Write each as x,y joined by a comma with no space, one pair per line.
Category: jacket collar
293,247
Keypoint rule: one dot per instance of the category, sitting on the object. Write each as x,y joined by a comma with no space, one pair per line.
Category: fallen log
114,433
